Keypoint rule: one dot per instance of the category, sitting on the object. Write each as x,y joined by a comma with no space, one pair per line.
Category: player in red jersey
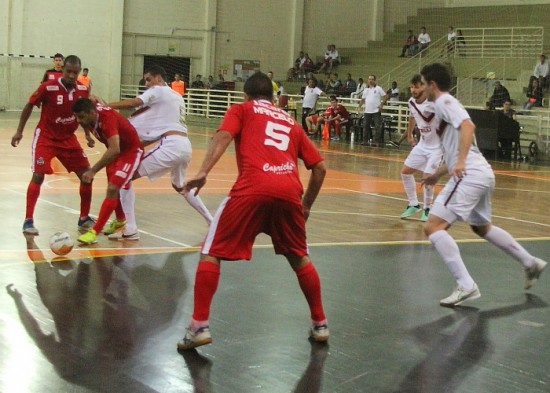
56,71
122,157
54,137
267,197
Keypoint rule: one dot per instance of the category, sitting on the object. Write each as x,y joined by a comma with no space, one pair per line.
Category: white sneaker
460,295
193,339
123,236
533,273
319,333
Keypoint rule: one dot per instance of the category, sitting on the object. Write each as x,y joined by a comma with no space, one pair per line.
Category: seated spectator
423,40
393,94
534,94
460,43
349,86
541,71
294,71
210,83
359,90
198,83
333,84
410,44
500,95
336,114
332,59
451,38
299,60
508,111
307,65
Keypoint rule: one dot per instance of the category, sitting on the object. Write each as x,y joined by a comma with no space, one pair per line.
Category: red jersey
57,120
268,143
339,110
110,123
52,74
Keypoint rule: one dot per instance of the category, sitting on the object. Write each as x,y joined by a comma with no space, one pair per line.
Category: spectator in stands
274,85
541,71
393,93
333,84
210,83
198,83
85,79
332,59
178,85
336,114
534,94
423,40
349,86
311,94
500,95
360,88
410,44
57,70
451,38
373,99
307,65
281,88
299,60
508,111
460,43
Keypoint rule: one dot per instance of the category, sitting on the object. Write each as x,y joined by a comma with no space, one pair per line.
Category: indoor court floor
107,317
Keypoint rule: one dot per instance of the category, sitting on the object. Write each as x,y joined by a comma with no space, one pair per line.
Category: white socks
428,196
128,201
503,240
448,249
409,184
196,202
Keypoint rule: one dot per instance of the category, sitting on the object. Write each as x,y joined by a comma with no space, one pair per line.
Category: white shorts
171,154
467,199
424,159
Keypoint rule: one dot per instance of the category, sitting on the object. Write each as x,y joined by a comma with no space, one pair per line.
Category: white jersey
310,96
452,114
163,110
426,121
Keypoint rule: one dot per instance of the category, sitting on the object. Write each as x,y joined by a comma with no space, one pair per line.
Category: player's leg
108,205
433,162
415,161
33,192
337,128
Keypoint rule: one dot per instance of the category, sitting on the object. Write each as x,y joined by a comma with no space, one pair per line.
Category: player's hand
458,170
16,138
411,141
88,176
306,211
430,180
90,141
196,183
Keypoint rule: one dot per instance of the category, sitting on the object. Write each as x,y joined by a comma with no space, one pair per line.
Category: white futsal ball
61,243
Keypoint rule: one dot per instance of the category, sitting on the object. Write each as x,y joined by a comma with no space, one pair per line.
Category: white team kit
162,113
426,155
467,198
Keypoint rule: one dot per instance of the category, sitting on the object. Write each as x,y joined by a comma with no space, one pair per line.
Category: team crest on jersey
40,161
52,88
81,87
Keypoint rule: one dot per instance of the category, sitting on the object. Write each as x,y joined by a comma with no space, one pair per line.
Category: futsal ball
61,243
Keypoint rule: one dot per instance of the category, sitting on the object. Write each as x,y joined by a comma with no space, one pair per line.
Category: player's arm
127,103
433,179
113,150
318,172
410,129
383,101
217,147
25,114
467,129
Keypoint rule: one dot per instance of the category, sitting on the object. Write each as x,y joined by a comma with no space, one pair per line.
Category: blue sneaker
28,227
85,223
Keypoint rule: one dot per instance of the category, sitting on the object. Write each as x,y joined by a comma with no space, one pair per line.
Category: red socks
85,199
107,207
206,283
33,192
308,278
119,211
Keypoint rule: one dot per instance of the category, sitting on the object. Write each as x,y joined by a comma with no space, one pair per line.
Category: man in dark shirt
198,83
500,96
57,70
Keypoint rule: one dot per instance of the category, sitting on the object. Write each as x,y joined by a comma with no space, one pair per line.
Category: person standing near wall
56,71
178,85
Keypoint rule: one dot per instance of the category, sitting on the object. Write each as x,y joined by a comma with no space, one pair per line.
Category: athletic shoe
460,295
195,339
89,237
85,223
319,333
425,214
28,227
123,236
533,273
335,138
410,210
114,226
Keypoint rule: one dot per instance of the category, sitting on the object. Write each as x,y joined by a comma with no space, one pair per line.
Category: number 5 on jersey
277,135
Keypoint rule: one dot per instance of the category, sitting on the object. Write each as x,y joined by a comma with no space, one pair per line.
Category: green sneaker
114,226
425,214
410,210
89,237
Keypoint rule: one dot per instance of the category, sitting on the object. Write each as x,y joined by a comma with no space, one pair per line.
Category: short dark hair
83,105
156,70
416,79
85,69
73,59
58,55
333,98
259,86
438,73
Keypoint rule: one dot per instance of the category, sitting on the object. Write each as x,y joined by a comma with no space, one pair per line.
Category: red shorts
240,219
68,152
121,170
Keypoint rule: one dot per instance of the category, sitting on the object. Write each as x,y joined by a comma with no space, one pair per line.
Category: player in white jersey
467,194
426,154
160,120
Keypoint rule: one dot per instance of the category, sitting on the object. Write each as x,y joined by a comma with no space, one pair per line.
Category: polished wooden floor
107,317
